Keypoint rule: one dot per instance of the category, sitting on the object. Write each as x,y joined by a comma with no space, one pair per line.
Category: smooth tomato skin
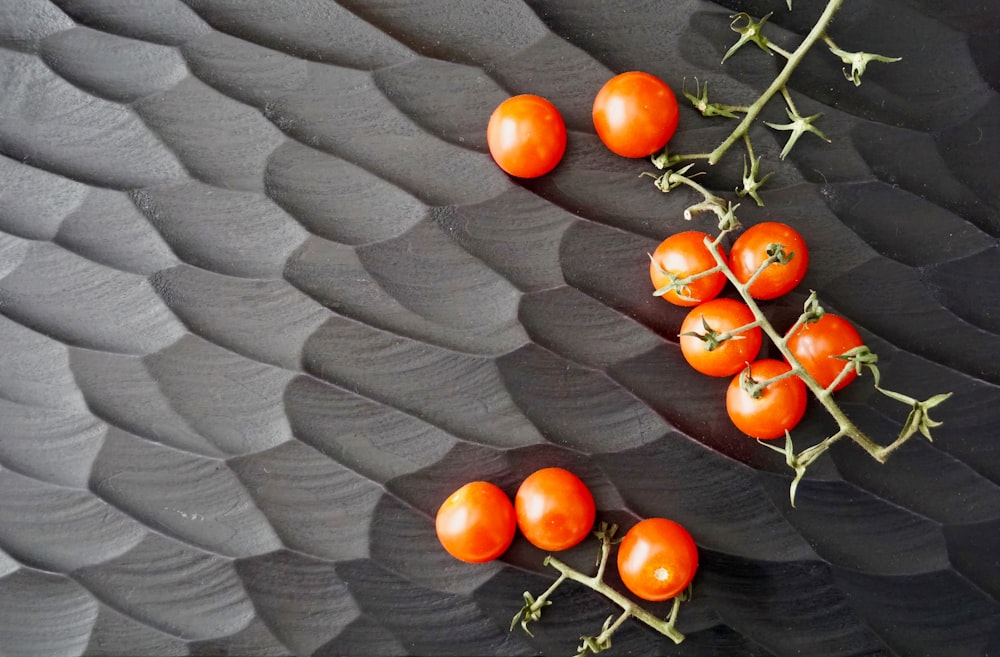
731,356
657,559
685,254
555,509
780,406
635,114
816,346
526,136
750,250
476,523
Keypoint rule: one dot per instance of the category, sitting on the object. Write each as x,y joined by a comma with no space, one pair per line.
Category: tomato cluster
635,114
555,510
720,337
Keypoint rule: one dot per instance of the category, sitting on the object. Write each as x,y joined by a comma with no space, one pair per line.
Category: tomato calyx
713,339
700,101
750,31
686,268
859,358
858,60
591,645
751,385
798,125
918,421
752,183
812,312
797,462
776,255
756,388
532,609
680,285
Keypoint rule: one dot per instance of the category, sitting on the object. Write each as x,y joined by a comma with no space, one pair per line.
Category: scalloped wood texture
265,300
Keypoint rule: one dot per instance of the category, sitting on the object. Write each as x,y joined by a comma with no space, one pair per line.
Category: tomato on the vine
657,559
555,509
476,523
751,249
816,346
635,114
778,407
682,255
706,323
526,135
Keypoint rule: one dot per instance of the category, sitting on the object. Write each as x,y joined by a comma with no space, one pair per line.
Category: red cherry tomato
685,254
555,509
720,316
635,114
750,250
476,523
780,405
817,344
526,136
657,559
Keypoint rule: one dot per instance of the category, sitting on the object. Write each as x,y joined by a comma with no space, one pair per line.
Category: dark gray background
265,300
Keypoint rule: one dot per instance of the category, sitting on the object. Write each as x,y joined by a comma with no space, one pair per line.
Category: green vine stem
780,81
857,359
752,31
532,609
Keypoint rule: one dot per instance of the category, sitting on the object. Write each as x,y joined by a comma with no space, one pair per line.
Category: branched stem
781,51
664,627
719,338
756,388
778,84
845,424
799,323
918,420
752,31
543,598
533,607
787,95
760,269
843,374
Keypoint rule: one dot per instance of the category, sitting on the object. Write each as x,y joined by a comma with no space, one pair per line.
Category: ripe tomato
657,559
526,135
725,358
685,254
750,251
555,509
635,114
780,405
817,344
476,523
